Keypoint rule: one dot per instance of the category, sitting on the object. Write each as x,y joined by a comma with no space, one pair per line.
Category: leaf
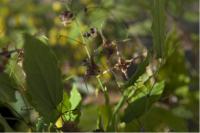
158,27
158,119
70,109
135,109
43,38
7,88
106,113
128,88
88,118
75,98
43,78
141,105
164,117
15,71
158,88
65,105
140,70
140,87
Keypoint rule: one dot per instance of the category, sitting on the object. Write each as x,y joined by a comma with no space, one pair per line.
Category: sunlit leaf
43,78
158,88
75,98
65,105
70,105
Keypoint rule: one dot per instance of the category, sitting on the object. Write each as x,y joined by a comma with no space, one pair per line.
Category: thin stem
89,56
101,34
104,89
11,118
85,82
155,73
68,78
82,37
87,51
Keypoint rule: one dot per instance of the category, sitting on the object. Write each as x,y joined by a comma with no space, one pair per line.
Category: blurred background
128,22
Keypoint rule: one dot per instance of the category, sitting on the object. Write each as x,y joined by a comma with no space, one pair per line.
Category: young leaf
158,27
7,88
75,98
69,105
65,105
141,105
157,88
43,78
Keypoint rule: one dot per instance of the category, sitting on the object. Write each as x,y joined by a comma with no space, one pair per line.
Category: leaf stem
84,42
104,89
89,56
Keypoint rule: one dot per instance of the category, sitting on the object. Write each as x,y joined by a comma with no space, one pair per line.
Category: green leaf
75,98
43,38
71,115
43,78
65,105
164,117
69,105
142,105
7,88
88,118
158,88
106,113
128,88
158,119
158,27
140,70
15,71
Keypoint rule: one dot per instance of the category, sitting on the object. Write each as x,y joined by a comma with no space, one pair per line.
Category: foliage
43,78
114,65
143,103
